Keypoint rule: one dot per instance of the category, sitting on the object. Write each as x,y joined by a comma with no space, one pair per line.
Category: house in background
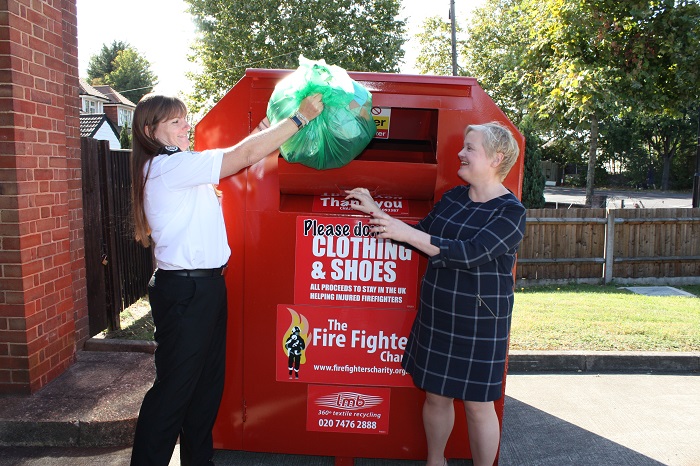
98,126
119,109
103,101
91,100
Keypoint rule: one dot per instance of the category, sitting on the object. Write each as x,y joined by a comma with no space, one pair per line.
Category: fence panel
562,244
579,245
134,262
657,243
94,242
118,268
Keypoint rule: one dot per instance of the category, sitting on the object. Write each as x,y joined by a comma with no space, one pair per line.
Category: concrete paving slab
564,197
658,291
94,403
612,419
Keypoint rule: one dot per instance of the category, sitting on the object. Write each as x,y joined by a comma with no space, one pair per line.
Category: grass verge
136,322
604,318
571,317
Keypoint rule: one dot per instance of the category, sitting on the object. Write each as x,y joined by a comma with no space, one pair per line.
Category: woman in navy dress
459,340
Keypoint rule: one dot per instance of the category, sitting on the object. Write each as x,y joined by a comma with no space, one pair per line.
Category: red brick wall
113,114
42,280
75,189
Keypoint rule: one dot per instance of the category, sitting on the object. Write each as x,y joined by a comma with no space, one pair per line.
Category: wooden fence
117,268
626,246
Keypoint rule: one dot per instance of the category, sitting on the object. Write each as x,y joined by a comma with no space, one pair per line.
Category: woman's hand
311,107
366,205
383,225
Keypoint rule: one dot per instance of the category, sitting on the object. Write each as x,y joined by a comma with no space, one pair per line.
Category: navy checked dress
458,342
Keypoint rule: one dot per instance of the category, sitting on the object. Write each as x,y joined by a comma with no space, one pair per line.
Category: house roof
114,96
91,122
87,89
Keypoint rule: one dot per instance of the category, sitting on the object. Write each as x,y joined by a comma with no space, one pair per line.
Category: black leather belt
195,273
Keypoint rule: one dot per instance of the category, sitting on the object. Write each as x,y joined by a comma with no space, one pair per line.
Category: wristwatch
298,120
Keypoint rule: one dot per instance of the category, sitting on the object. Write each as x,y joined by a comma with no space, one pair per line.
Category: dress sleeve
501,234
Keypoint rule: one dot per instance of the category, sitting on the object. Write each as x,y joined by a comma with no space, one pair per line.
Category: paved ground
588,409
617,199
549,420
658,291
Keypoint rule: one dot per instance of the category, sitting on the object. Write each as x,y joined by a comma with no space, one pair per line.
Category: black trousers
190,319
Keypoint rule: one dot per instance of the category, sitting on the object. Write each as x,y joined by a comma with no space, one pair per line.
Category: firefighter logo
294,343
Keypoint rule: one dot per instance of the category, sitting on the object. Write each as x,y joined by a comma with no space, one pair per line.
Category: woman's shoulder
510,198
456,192
510,205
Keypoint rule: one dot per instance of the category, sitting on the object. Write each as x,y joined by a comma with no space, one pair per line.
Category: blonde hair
498,140
151,110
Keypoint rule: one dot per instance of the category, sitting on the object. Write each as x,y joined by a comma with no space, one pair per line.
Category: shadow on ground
534,437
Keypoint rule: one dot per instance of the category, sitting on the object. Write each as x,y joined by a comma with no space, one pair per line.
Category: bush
533,179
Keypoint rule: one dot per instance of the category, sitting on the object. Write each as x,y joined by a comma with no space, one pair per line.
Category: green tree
569,69
661,57
435,41
125,138
357,35
574,65
668,137
495,45
533,178
102,63
131,76
122,68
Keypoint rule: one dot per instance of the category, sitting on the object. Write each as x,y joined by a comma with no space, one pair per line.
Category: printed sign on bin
339,262
356,410
382,120
346,345
335,203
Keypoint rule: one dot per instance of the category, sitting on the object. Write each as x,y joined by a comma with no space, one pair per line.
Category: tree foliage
495,46
125,138
577,66
435,41
533,179
131,76
122,68
357,35
101,64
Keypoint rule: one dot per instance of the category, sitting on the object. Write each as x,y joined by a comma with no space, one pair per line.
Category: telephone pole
454,38
696,178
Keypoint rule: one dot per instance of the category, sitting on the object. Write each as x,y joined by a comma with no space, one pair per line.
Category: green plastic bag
344,128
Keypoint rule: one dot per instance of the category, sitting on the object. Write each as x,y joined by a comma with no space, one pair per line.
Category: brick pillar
113,114
43,305
75,186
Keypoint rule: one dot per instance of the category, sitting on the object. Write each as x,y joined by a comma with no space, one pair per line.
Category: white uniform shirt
183,211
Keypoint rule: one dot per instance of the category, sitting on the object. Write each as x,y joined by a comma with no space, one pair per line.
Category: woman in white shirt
176,208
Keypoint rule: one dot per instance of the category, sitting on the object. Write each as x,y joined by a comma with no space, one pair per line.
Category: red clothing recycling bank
301,258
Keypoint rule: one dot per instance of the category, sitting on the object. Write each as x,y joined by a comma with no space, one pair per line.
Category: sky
162,32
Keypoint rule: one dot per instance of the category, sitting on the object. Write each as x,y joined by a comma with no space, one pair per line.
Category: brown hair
498,140
151,110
